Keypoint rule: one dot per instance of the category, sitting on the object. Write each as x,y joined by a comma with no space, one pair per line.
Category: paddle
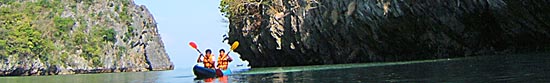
233,46
194,46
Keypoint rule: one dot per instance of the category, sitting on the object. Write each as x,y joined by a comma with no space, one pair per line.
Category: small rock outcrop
312,32
51,37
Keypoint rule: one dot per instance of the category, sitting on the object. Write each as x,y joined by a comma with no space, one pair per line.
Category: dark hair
222,50
208,51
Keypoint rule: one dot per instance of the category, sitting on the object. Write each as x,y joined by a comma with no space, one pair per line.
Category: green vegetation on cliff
33,29
231,7
49,37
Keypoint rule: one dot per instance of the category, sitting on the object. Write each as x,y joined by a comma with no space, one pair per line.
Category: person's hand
199,59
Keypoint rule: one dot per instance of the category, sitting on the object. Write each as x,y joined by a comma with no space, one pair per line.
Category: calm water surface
504,68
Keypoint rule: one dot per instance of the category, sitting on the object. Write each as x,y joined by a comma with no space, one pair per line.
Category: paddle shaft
199,52
233,47
226,55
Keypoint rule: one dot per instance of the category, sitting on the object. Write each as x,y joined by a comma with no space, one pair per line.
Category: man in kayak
208,59
223,60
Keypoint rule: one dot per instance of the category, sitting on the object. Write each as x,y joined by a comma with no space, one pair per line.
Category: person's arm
199,59
219,60
229,58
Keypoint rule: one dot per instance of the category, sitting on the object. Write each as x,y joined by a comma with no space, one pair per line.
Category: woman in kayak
223,60
208,59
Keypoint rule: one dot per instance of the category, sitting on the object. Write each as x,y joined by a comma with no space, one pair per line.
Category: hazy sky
181,21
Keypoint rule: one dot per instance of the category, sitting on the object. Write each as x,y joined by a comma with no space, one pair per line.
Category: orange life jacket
208,61
223,61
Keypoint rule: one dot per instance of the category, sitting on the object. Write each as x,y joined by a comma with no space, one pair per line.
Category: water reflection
127,77
504,68
278,78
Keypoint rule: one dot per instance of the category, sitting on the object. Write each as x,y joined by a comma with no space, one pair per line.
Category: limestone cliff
50,37
311,32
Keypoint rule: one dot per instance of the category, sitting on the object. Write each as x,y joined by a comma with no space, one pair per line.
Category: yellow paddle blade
235,45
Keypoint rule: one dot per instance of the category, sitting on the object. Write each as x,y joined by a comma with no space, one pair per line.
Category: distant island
51,37
315,32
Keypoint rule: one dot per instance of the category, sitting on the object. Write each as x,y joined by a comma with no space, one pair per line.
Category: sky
182,21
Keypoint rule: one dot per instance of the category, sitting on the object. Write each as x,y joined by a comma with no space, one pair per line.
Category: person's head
222,51
208,51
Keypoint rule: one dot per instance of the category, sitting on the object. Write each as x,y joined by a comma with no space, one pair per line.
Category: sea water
527,68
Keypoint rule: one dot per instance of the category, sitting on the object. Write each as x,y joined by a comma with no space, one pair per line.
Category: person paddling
208,59
223,60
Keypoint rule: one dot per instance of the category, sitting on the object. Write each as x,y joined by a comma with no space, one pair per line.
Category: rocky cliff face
310,32
50,37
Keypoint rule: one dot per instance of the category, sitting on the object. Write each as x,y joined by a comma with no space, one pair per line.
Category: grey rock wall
312,32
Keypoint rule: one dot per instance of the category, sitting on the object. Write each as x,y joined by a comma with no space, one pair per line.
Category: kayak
226,72
202,72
